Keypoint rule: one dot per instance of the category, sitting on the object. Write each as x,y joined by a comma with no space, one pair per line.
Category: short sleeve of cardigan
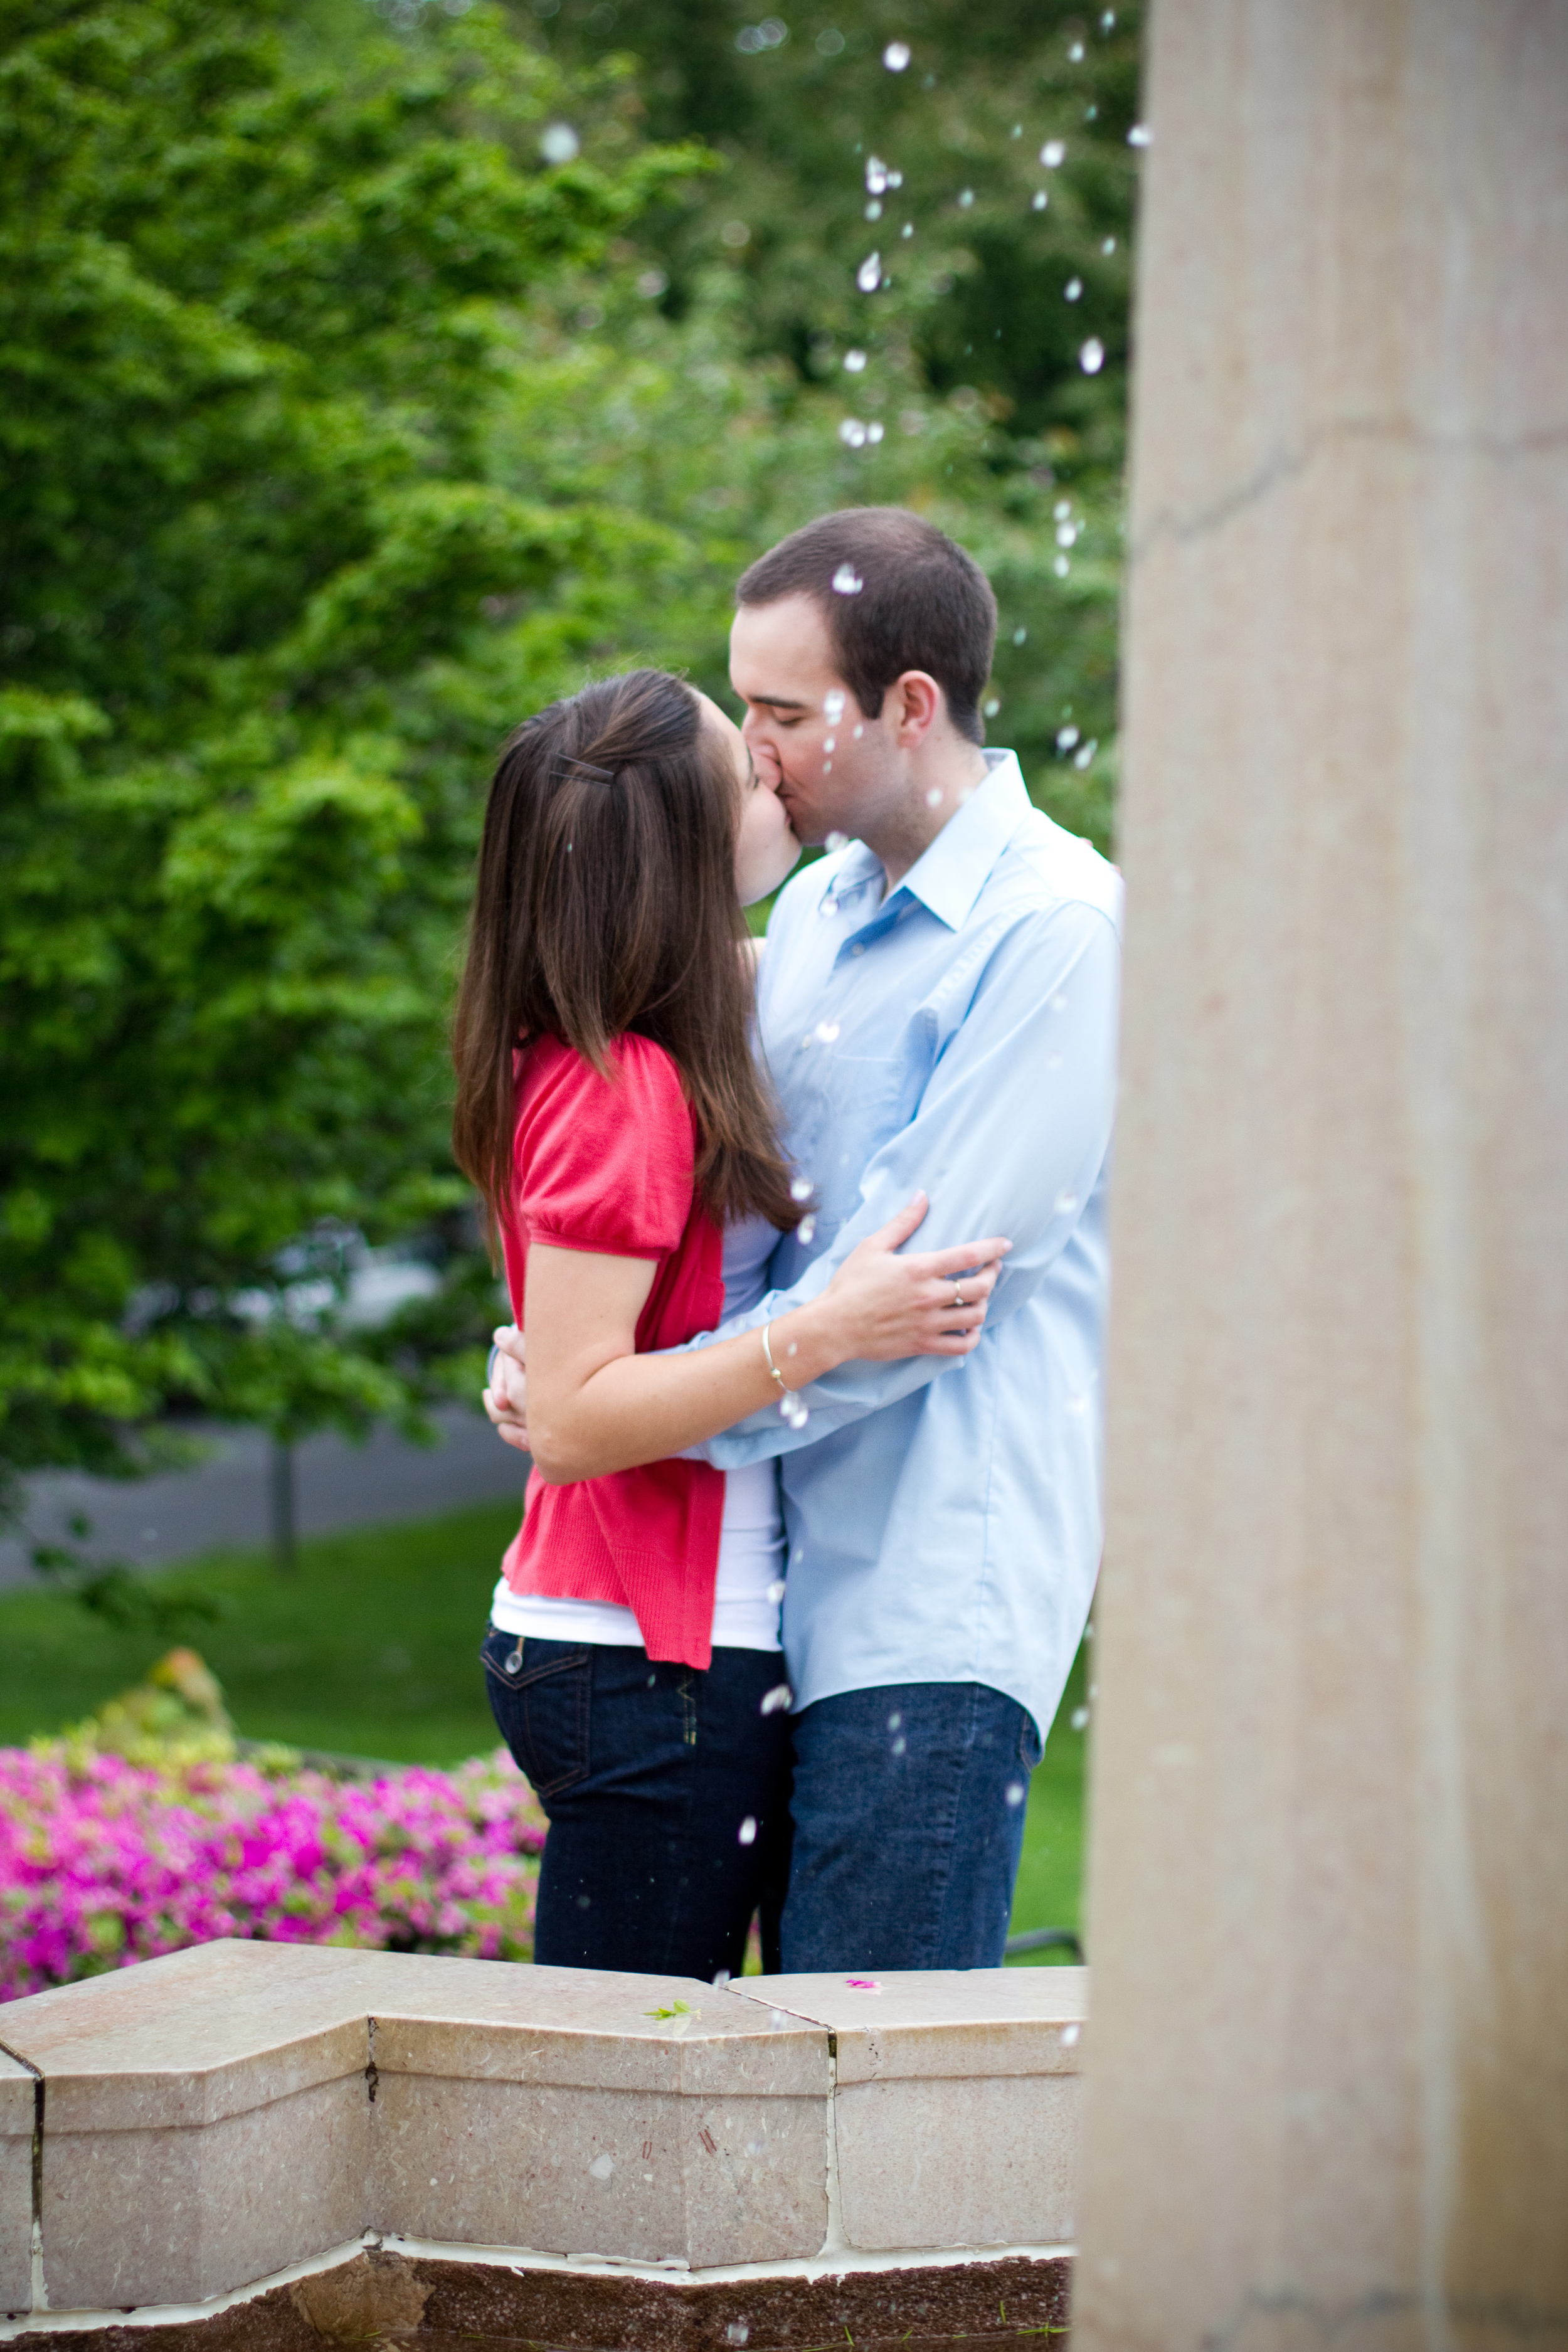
606,1164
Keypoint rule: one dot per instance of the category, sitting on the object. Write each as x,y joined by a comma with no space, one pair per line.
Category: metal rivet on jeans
512,1664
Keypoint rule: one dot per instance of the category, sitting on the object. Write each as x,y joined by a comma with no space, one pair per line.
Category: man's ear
918,703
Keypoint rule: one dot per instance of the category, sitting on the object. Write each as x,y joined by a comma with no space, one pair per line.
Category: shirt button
858,948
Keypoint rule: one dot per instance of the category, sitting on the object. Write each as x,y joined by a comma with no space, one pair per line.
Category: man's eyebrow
778,701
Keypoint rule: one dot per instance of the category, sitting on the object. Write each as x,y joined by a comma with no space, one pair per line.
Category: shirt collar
951,875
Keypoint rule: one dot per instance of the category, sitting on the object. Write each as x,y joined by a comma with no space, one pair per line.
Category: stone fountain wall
258,2144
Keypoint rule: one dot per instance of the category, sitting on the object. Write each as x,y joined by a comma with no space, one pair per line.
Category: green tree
257,305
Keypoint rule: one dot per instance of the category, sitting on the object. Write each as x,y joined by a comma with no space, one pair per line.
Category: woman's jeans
668,1792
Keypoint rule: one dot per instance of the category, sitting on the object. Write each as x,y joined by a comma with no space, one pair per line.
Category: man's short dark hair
921,604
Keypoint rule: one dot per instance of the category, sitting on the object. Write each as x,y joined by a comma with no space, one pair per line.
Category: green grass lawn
371,1650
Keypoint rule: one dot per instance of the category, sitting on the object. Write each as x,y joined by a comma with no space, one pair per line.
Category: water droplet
908,229
776,1590
806,1231
992,707
833,706
792,1349
738,2332
559,143
1066,1202
854,362
828,1032
1070,2036
856,734
869,277
1015,1792
875,174
1075,54
800,1188
748,1830
894,1721
895,56
1053,152
652,284
965,197
830,743
1091,358
847,580
755,2147
933,798
1080,1718
601,2166
1067,534
1139,135
873,433
1040,200
899,1744
834,841
777,1698
1062,567
1061,512
874,210
1072,289
1019,636
584,1902
1108,22
852,433
1107,245
1081,759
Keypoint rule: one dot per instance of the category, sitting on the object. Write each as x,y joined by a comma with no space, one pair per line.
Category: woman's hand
506,1395
881,1306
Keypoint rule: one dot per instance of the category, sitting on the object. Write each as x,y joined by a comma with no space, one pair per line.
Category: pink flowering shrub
103,1862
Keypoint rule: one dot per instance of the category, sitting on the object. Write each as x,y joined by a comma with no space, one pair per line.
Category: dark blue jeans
668,1792
908,1823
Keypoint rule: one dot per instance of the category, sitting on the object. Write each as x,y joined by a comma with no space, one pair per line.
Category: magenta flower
104,1863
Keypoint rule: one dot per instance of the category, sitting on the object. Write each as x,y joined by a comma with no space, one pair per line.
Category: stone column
1327,2072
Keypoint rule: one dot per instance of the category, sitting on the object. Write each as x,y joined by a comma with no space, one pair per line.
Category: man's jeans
909,1821
668,1792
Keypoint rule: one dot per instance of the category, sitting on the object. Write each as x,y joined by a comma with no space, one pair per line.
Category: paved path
224,1502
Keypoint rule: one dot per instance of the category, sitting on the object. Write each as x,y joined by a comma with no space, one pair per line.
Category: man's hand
506,1398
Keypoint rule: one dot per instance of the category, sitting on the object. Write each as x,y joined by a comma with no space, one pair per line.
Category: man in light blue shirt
938,1007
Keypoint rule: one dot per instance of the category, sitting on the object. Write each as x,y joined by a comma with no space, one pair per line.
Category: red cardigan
608,1166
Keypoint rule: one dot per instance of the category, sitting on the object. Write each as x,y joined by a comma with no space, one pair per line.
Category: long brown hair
605,903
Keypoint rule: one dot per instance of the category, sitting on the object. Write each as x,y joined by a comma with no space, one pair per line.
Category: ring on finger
958,1298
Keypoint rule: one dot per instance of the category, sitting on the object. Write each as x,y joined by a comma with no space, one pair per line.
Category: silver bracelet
772,1367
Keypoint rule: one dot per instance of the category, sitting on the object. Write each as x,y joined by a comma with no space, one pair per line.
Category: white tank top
751,1539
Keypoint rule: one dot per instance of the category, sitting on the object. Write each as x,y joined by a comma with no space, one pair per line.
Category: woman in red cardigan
610,1113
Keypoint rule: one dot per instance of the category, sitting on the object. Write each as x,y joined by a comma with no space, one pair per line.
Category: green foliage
256,313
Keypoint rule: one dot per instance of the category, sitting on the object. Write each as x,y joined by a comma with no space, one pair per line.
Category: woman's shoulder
605,1162
643,1080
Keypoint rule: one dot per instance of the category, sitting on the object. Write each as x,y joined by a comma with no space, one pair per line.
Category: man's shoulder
1045,867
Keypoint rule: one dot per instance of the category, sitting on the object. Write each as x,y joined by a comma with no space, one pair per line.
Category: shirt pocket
848,1107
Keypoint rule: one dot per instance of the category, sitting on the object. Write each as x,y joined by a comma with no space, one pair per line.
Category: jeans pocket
539,1695
1031,1747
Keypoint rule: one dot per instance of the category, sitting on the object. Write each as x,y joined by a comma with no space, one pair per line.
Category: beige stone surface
174,2215
644,2176
941,2021
1327,2096
16,2112
194,2036
955,2162
210,2117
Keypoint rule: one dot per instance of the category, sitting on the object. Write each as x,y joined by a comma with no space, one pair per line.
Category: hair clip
586,768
